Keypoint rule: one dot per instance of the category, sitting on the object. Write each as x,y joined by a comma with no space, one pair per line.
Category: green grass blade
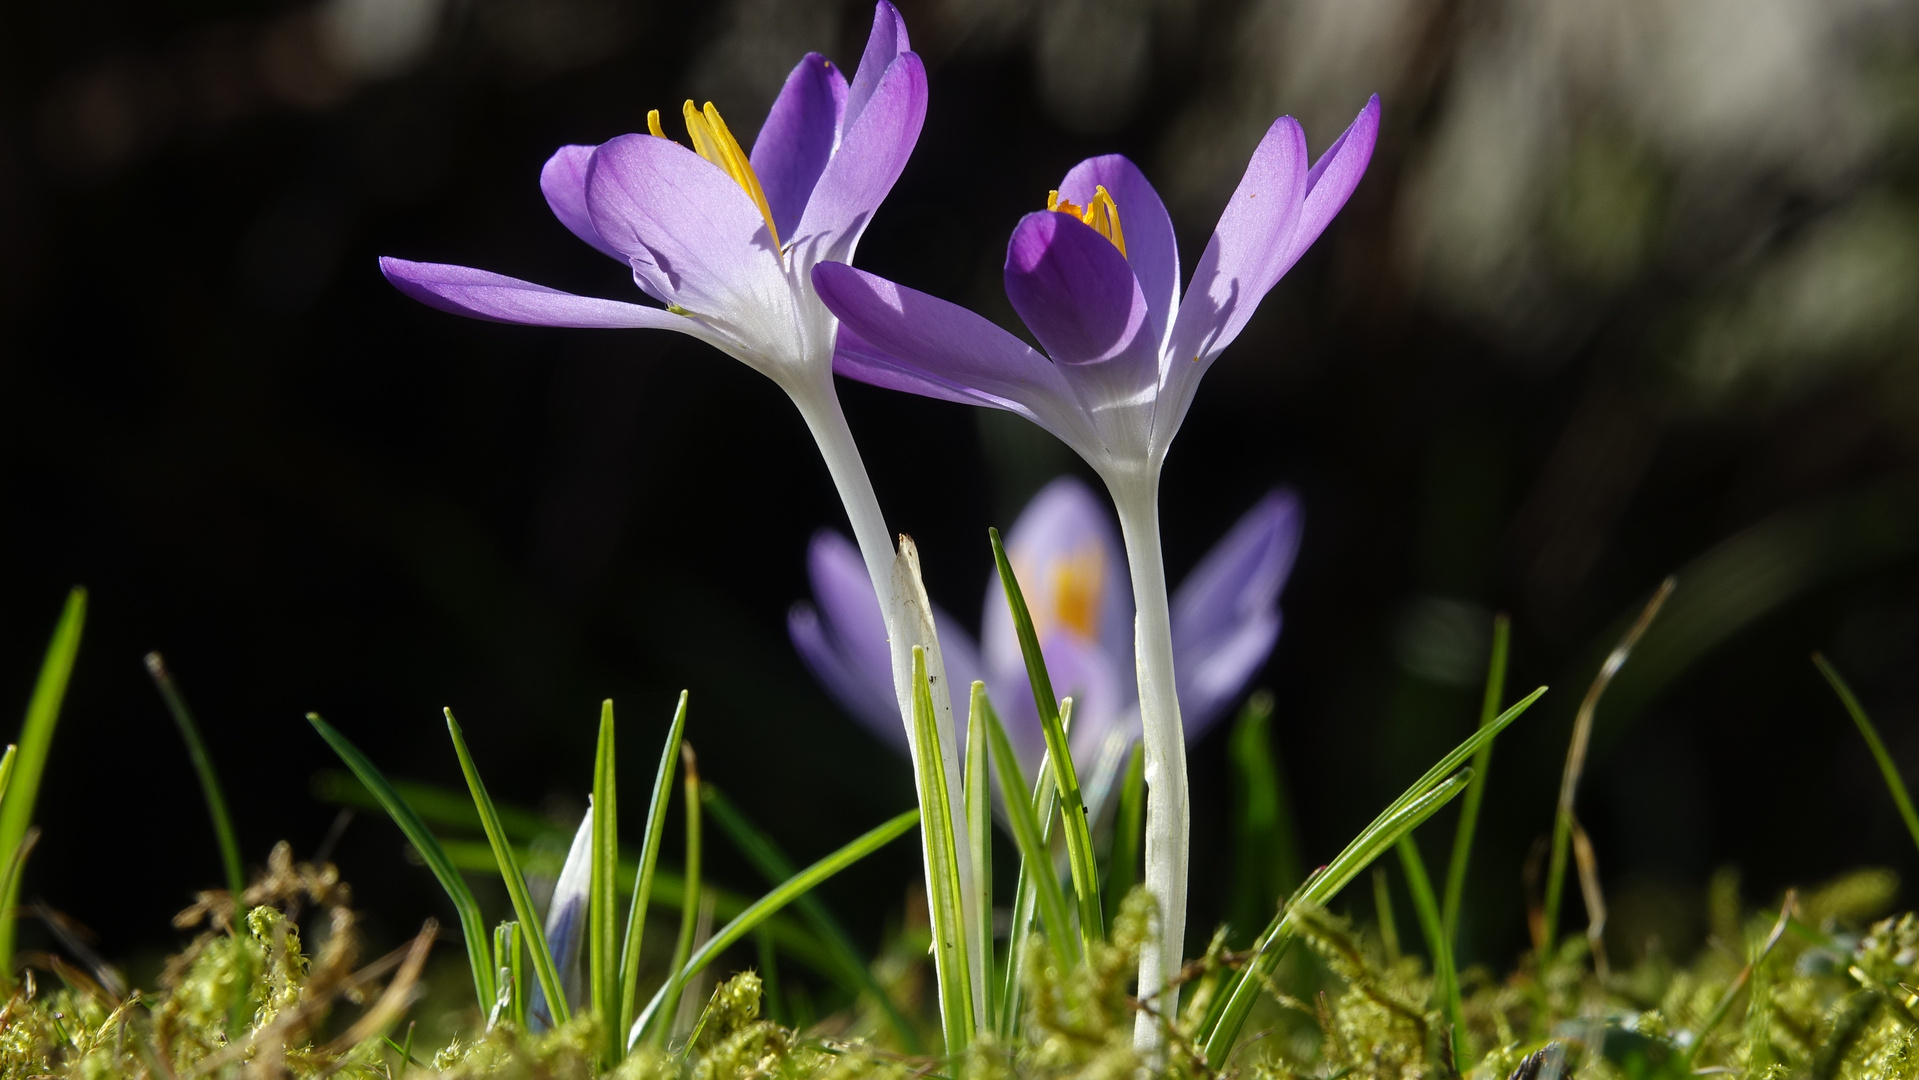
645,876
1266,862
472,928
1383,912
510,1005
6,769
530,926
203,767
979,827
603,943
943,870
1045,804
690,904
766,906
1482,762
1887,767
30,761
1129,822
1079,837
1433,926
769,860
1036,857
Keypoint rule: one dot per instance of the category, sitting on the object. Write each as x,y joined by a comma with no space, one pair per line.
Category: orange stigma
1101,212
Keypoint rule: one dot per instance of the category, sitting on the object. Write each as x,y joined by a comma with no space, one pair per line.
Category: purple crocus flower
1096,278
1067,554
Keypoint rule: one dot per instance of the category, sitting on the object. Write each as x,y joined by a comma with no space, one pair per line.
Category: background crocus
1096,278
1067,554
725,241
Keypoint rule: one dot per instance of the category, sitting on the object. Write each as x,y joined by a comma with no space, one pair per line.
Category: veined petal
563,182
566,924
798,137
479,294
874,146
1226,613
1150,246
689,231
884,43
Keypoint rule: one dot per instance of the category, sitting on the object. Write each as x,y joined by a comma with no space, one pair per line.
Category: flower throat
1100,211
712,141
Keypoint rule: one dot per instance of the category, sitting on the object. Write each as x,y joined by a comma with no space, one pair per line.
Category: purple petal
1101,690
481,295
911,341
566,923
692,235
797,139
563,182
873,149
1066,553
1333,178
884,44
1150,246
843,641
1073,289
1226,613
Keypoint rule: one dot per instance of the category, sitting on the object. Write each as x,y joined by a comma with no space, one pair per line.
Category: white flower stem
906,624
1168,810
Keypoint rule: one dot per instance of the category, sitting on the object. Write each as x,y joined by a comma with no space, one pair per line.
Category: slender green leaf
1383,912
769,860
690,906
510,1004
1433,927
644,874
979,827
747,921
1266,856
1129,821
530,928
1887,767
1482,762
36,739
603,943
471,926
1036,858
943,869
203,766
1045,803
6,769
1079,836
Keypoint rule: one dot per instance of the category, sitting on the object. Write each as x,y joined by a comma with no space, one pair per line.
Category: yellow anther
1100,212
712,141
1077,582
653,124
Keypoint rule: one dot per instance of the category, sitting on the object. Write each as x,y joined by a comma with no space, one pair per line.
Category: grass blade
472,929
602,942
1045,804
769,860
203,767
978,786
510,1004
644,877
1129,822
1482,762
1433,926
1383,912
760,910
1266,863
943,870
30,761
1036,857
531,929
1887,767
6,769
691,898
1079,837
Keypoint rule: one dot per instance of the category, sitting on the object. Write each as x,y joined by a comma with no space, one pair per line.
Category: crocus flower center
712,141
1100,212
1073,583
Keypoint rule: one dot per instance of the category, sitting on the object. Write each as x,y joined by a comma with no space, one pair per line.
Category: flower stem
1168,810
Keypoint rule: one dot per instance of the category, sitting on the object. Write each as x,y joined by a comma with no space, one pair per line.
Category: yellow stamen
1100,212
712,141
1076,590
653,124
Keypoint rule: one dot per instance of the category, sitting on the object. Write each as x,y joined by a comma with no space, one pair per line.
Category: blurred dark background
1628,291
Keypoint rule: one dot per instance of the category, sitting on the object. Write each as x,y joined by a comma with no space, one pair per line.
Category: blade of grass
203,766
1129,822
1887,767
36,739
1576,763
1482,762
1036,857
1383,913
644,877
1433,926
1044,802
690,904
603,943
979,828
943,870
760,910
1079,837
769,860
1266,863
471,926
6,769
510,1004
530,926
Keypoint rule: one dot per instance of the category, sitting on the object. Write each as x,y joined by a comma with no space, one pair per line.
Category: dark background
1626,292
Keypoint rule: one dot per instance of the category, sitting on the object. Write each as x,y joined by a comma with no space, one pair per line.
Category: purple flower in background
1067,555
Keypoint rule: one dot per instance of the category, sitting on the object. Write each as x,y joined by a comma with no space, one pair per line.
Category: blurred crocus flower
566,926
1067,555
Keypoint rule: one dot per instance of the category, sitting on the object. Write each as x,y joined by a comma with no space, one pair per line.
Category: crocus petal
1226,613
563,182
843,640
874,146
884,43
1150,246
1079,669
566,923
463,290
942,345
1065,550
1333,178
797,139
689,231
